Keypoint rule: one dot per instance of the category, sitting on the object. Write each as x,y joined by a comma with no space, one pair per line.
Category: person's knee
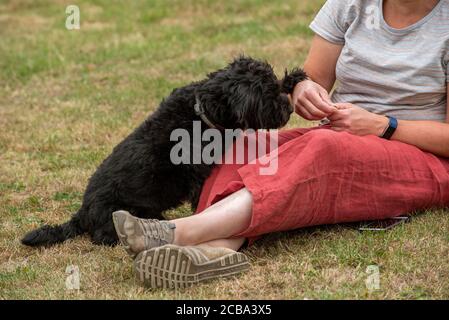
329,146
327,139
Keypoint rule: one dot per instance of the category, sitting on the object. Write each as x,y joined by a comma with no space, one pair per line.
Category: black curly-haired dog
140,177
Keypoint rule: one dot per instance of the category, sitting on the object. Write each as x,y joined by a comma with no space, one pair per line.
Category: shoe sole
122,237
171,268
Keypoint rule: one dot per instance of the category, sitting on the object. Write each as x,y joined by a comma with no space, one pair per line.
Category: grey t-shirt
397,72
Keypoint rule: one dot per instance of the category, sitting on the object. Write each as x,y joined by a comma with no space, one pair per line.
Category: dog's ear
291,79
240,64
243,65
242,61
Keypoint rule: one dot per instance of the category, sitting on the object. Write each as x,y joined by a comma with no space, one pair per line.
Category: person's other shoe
173,266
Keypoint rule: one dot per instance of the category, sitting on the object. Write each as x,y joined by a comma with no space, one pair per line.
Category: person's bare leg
234,244
221,221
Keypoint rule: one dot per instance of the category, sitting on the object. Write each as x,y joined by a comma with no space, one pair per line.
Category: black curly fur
291,79
139,177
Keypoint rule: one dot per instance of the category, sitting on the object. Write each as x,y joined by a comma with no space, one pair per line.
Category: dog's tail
50,235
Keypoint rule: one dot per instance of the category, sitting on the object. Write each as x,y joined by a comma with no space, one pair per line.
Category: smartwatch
391,129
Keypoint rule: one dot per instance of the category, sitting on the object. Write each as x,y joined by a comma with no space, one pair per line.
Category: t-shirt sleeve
331,22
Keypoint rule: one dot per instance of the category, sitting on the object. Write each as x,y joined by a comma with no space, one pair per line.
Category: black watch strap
392,126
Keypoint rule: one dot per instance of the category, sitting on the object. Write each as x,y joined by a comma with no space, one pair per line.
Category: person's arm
427,135
430,136
321,62
311,97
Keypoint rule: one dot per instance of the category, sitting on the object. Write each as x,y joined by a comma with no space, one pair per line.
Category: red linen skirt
325,177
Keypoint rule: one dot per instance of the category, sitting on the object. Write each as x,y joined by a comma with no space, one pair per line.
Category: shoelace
154,229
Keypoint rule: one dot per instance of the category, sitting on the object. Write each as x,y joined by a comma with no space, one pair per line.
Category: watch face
392,126
394,123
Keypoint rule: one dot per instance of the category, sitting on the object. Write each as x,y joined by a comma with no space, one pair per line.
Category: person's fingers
315,98
335,116
342,106
301,111
325,96
339,115
305,114
315,112
343,123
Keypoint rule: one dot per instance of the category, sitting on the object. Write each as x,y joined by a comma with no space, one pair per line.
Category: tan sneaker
137,235
176,267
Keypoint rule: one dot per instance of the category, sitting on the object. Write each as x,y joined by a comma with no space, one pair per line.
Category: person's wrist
381,124
304,83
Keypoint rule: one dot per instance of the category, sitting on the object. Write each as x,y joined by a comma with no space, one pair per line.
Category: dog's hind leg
106,235
100,223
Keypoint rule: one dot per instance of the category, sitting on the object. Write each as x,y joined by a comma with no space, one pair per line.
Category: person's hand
311,101
356,120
